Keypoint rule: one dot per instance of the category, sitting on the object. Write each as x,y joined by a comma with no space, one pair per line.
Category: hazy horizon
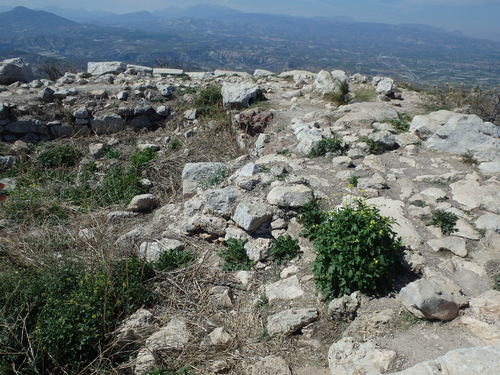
476,18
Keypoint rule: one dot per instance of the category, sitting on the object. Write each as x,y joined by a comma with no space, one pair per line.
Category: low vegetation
356,249
333,144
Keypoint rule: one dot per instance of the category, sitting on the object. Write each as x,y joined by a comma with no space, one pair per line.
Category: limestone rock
289,196
194,173
107,124
383,85
108,67
345,307
14,70
484,360
325,83
238,94
257,249
220,201
489,221
146,360
290,321
173,335
251,216
136,328
151,251
143,203
271,365
432,299
286,289
218,336
347,357
454,244
424,126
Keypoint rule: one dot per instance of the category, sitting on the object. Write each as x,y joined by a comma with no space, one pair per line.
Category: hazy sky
479,18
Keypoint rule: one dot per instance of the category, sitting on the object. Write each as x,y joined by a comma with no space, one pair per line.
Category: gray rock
489,221
342,162
174,335
325,83
81,112
194,173
262,73
290,321
143,203
345,307
107,125
212,225
46,94
60,94
467,134
133,330
347,357
163,111
15,70
489,168
167,72
221,297
484,360
220,201
258,249
289,196
108,67
424,126
122,95
218,336
384,138
166,91
432,299
146,360
62,131
249,170
125,111
151,251
143,107
238,94
383,85
250,216
454,244
27,126
190,114
270,365
7,161
139,70
286,289
139,122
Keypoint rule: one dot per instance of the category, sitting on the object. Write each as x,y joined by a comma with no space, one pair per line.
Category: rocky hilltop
240,173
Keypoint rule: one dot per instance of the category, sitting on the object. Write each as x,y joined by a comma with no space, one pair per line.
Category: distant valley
209,37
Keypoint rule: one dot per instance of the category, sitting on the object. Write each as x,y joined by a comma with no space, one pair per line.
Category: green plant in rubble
120,184
376,148
214,178
356,249
333,144
59,317
353,181
235,256
59,156
310,215
283,249
161,371
173,259
208,101
174,144
445,220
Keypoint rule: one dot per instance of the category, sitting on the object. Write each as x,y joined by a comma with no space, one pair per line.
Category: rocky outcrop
15,70
108,67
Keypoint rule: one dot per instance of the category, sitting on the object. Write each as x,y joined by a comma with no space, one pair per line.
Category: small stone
143,203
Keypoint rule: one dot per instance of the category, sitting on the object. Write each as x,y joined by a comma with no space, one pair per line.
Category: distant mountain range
209,37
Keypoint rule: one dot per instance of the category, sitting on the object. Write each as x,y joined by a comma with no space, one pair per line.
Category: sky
477,18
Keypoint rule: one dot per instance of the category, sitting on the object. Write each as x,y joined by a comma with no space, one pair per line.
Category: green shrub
235,256
283,249
353,181
208,101
376,148
172,259
59,156
331,144
174,144
356,249
444,220
341,96
60,317
400,125
310,215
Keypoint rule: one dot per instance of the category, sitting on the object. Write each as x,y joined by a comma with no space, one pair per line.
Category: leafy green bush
328,144
376,148
353,181
310,215
444,220
235,256
400,125
59,156
60,317
283,249
356,249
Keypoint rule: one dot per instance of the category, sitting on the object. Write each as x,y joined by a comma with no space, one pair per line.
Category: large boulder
464,134
108,67
14,70
251,216
290,321
195,173
383,85
238,94
424,126
107,124
326,83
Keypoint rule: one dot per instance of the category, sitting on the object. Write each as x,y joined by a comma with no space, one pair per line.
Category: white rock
174,335
289,196
290,321
286,289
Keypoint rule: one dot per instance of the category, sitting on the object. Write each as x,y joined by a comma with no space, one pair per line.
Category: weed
469,159
58,156
399,125
284,152
264,335
341,96
353,181
235,256
215,178
444,220
407,319
310,215
174,144
365,94
283,249
282,176
208,102
496,281
418,203
331,144
112,153
356,249
376,148
263,302
173,259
